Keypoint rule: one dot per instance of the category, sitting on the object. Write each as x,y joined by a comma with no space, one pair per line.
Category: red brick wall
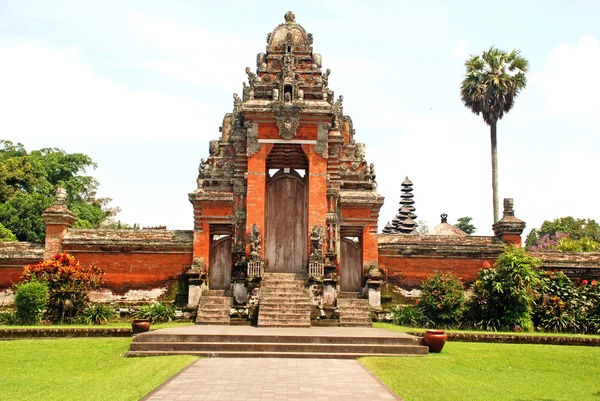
317,191
256,189
126,271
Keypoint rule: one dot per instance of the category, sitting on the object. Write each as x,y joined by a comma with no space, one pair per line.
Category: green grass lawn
489,372
124,325
80,369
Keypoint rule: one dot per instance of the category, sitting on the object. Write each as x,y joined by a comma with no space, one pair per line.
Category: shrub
503,296
30,299
557,304
68,282
98,314
442,299
156,312
409,315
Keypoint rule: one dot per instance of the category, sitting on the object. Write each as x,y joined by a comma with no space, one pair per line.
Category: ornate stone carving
252,78
325,78
261,61
60,197
198,267
275,94
290,17
360,151
255,243
213,147
322,135
317,236
237,103
252,145
316,61
338,112
288,120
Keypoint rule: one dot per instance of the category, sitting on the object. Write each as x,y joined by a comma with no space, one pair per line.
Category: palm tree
492,83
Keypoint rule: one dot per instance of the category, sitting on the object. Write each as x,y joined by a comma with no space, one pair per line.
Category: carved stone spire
405,220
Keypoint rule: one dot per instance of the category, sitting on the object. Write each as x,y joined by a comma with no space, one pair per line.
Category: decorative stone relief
237,103
255,243
317,236
316,61
360,151
252,145
322,136
213,147
261,61
288,120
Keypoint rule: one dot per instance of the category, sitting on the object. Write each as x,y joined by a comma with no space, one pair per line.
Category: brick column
509,228
58,219
317,191
257,181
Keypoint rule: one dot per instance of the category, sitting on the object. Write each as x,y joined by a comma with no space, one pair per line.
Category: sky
142,86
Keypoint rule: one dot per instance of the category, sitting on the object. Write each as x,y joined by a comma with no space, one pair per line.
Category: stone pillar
257,182
58,219
509,228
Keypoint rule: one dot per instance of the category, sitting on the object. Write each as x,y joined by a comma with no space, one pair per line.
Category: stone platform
276,342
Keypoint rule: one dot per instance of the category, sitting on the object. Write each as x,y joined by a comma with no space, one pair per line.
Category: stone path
273,379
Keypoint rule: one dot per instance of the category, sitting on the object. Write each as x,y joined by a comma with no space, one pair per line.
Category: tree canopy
28,181
464,223
567,234
491,84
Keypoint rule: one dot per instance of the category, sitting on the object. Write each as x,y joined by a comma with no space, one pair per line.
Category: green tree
464,223
6,235
28,182
576,229
492,82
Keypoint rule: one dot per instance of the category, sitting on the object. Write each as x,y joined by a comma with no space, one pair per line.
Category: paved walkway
273,379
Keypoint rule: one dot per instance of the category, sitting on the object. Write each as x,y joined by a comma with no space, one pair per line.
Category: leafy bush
503,296
68,282
7,317
156,312
98,314
442,299
409,315
30,299
557,304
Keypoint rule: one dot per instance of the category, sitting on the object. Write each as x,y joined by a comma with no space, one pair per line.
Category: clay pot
435,340
140,325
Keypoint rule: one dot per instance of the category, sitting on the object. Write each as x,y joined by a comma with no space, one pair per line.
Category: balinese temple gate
286,209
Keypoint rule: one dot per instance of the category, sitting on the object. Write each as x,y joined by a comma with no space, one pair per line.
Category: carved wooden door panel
350,265
285,235
220,264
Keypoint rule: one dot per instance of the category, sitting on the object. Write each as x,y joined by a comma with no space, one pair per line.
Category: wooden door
286,248
350,265
220,263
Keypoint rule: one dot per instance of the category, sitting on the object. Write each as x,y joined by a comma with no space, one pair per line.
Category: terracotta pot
140,325
435,340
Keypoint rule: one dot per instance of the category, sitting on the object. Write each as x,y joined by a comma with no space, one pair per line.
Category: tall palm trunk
494,169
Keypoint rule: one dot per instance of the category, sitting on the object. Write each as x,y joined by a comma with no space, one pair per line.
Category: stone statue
372,171
288,97
338,112
261,61
213,147
61,196
360,151
198,266
300,94
237,102
325,78
226,129
252,78
275,94
316,61
255,243
317,236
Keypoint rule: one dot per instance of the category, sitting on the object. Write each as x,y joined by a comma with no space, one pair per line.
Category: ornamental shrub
503,296
68,282
409,315
442,299
157,312
30,299
557,305
98,314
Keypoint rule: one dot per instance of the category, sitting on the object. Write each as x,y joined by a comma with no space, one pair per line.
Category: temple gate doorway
286,247
350,264
220,262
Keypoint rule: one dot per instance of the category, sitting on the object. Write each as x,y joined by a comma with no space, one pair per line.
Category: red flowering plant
68,281
442,299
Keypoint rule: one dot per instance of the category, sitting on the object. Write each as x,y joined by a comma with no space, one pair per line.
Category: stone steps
311,342
214,308
354,312
284,301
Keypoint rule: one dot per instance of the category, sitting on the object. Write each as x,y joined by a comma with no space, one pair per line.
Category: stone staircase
354,312
276,342
284,301
214,308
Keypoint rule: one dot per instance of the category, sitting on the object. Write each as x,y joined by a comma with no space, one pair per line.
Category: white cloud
570,79
49,92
